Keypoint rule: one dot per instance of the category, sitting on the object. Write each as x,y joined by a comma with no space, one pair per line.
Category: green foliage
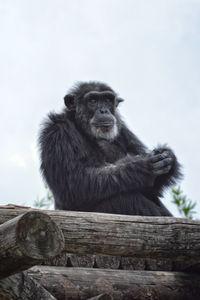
46,202
185,206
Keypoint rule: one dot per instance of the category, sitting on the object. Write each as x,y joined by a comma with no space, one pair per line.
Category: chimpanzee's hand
162,161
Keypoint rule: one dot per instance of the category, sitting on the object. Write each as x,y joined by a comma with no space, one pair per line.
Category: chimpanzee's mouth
103,128
103,124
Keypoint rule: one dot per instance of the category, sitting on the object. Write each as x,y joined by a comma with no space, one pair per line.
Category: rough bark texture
83,283
27,240
23,287
101,297
167,240
114,262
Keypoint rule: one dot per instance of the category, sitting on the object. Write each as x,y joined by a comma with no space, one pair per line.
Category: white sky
147,50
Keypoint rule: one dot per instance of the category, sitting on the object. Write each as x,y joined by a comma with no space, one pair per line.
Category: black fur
87,173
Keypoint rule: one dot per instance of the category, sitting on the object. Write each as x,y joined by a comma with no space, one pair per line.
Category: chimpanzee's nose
103,110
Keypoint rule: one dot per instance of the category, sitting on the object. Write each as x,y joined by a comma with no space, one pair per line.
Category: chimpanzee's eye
109,101
92,101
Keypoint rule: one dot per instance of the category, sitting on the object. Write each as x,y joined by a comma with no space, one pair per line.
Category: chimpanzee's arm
73,175
166,173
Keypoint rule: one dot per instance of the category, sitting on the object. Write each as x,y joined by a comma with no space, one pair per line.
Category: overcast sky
148,51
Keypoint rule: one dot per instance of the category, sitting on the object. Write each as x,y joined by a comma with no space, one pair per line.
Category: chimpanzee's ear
118,100
69,102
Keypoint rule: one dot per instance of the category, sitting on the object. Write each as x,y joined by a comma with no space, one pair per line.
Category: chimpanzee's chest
111,151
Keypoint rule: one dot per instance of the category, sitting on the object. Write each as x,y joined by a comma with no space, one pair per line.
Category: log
169,239
71,260
101,297
108,262
112,262
28,240
86,261
84,283
22,286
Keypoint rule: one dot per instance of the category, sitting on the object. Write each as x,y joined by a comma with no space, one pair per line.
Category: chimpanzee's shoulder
58,122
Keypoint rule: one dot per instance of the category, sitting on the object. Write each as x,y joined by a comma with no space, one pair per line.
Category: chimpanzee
92,162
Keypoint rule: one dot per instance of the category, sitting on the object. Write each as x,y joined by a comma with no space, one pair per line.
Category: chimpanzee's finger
157,157
162,163
164,170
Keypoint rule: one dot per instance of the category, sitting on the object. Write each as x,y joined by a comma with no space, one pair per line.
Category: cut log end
39,236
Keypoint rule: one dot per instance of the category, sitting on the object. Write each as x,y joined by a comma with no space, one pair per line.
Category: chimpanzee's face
100,109
95,113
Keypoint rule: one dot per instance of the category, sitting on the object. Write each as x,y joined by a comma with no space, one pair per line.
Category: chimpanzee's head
94,107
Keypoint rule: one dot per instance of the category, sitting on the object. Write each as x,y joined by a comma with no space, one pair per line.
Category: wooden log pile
81,255
28,240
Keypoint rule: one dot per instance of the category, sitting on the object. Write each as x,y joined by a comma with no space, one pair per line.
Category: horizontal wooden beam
83,283
159,238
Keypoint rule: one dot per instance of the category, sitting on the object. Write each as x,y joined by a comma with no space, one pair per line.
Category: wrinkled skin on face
102,106
96,113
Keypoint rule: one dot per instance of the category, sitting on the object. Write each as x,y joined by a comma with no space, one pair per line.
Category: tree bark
83,283
164,239
114,262
28,240
101,297
22,286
